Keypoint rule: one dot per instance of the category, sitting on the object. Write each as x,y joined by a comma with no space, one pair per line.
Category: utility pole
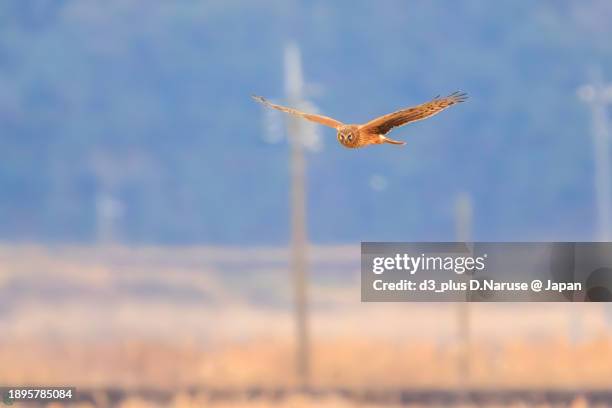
598,96
299,241
108,207
463,227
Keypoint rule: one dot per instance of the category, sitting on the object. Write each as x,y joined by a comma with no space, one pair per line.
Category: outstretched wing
323,120
384,124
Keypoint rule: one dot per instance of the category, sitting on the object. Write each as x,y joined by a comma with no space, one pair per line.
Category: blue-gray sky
148,102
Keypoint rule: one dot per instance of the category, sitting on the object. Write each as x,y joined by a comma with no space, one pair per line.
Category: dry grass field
189,322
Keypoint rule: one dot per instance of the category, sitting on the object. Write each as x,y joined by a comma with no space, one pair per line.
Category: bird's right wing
323,120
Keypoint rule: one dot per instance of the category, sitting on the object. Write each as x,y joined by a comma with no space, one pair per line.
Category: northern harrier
375,131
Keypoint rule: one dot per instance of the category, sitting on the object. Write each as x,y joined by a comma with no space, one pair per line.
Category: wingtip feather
458,96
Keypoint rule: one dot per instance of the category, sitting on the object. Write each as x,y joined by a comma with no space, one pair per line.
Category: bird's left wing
384,124
323,120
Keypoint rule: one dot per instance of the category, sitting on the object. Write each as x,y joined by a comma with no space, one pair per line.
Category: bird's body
375,131
351,136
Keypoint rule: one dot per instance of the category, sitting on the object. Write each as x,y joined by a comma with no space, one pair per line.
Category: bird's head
347,136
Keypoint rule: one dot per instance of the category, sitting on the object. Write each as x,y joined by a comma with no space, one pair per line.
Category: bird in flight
376,130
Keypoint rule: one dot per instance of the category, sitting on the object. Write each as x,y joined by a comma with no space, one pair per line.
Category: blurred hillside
148,102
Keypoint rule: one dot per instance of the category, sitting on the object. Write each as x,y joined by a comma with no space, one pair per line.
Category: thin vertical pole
598,96
463,226
601,146
299,240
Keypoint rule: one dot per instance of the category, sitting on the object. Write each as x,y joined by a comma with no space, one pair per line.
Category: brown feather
323,120
384,124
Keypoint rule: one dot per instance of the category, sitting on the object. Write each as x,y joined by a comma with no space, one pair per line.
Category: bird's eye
350,137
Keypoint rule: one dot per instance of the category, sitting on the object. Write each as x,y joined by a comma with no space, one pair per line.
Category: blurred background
153,246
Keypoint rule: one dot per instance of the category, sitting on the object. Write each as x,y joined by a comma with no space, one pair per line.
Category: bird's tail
391,141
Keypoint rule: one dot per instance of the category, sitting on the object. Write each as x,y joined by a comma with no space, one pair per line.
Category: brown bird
375,131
